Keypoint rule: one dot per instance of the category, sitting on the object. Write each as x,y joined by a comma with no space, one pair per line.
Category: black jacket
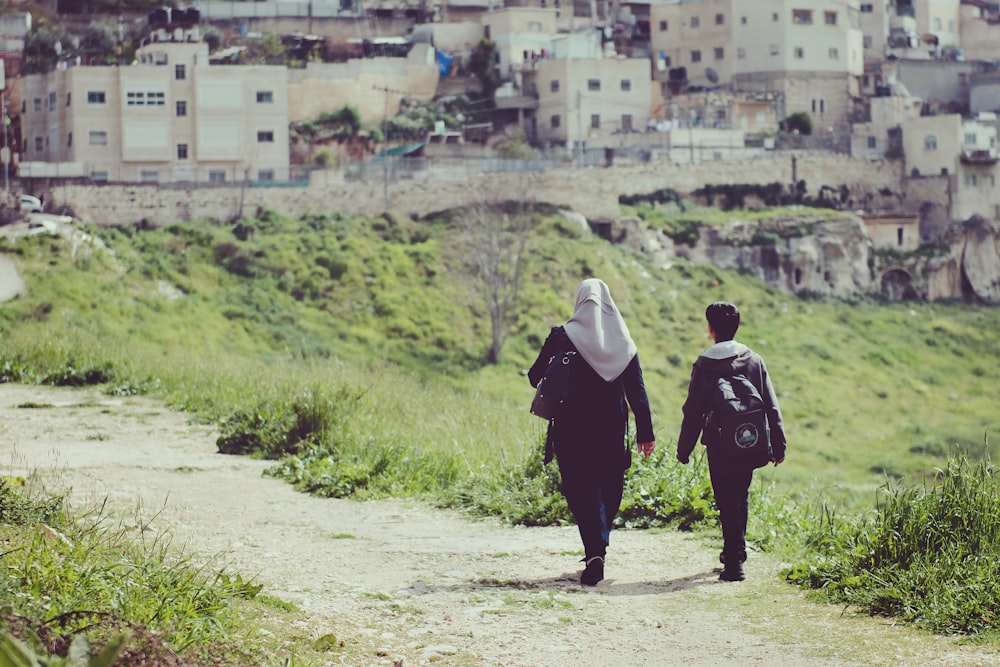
706,370
591,430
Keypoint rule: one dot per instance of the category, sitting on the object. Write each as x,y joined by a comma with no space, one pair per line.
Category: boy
730,479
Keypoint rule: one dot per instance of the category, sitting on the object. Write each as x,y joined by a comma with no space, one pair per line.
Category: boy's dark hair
724,318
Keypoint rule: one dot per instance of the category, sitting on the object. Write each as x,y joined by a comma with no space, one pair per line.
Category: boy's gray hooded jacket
726,358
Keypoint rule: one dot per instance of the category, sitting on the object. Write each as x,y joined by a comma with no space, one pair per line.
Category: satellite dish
711,75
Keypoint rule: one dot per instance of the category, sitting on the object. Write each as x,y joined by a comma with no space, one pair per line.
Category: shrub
926,555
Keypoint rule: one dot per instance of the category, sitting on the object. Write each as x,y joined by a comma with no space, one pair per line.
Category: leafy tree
40,50
481,64
798,122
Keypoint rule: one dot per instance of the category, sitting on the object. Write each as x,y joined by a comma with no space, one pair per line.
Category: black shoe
732,572
594,572
742,556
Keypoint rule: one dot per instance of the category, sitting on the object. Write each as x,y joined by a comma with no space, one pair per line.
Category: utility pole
6,148
385,144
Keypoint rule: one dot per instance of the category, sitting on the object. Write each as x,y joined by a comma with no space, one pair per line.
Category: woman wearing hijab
588,434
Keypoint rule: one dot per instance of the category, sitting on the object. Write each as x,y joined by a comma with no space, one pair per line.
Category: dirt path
399,580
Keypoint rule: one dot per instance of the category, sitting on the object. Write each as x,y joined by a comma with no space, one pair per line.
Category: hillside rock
820,254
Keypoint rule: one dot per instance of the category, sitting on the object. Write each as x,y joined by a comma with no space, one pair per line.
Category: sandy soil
401,582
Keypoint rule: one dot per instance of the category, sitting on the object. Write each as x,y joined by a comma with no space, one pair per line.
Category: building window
69,139
52,101
149,176
182,107
39,144
696,56
802,16
534,26
626,85
867,41
265,97
179,72
970,138
741,53
265,175
97,138
627,122
666,60
38,104
774,17
554,85
834,53
68,98
593,84
830,18
95,97
695,21
872,142
937,23
182,151
720,19
100,176
775,50
216,176
930,143
867,8
555,121
595,121
720,53
265,137
800,52
145,99
663,26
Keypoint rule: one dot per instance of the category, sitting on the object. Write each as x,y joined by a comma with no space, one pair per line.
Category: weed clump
927,555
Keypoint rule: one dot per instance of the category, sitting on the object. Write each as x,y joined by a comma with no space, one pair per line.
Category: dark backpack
736,426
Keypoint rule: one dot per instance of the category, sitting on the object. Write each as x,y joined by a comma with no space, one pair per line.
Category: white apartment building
587,101
809,51
169,117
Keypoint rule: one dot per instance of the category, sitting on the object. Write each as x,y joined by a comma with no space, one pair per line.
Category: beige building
374,86
965,152
585,102
875,139
169,117
810,52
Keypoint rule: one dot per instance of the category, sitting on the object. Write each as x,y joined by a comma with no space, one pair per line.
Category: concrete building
964,151
809,52
169,117
880,136
585,102
979,24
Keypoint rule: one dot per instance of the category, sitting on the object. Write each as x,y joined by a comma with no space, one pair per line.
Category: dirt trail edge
400,581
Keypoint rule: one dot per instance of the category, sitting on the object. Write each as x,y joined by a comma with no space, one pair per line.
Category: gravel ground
403,583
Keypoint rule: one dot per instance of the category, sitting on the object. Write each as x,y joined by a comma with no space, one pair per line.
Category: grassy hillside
199,311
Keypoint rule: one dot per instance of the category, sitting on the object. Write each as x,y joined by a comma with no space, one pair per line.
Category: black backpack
736,426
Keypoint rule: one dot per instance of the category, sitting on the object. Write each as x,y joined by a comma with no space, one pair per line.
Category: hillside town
280,94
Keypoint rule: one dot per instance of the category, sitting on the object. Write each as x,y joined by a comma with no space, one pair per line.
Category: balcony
979,156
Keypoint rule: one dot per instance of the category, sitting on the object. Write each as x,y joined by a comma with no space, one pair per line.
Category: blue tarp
444,62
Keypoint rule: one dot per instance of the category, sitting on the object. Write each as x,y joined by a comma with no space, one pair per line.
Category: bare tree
495,234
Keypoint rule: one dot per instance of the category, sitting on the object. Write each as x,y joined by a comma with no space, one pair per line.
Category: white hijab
598,330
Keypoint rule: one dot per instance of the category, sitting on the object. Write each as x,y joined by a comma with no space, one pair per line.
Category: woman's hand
646,448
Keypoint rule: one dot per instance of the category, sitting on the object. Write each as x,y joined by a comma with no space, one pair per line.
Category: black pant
594,497
731,485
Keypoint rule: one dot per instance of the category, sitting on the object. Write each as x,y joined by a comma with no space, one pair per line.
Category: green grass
88,577
352,352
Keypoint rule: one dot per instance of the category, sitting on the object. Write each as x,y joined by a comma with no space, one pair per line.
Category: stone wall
592,191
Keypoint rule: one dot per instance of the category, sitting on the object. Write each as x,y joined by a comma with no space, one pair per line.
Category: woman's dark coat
589,432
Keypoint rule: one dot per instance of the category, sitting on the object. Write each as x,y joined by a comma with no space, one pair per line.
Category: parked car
30,204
